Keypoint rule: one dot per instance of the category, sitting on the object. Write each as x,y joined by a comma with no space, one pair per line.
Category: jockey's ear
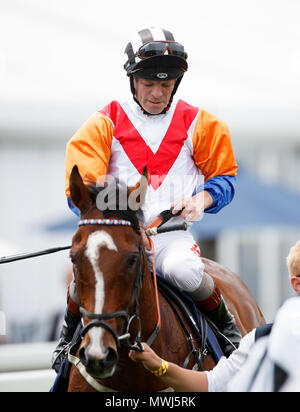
80,195
138,192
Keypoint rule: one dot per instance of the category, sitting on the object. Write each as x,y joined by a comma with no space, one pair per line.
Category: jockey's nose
156,92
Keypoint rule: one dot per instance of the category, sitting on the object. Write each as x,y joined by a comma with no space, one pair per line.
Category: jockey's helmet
154,54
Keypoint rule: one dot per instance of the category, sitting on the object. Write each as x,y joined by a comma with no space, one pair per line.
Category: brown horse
118,301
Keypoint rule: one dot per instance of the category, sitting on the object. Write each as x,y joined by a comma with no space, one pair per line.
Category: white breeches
177,258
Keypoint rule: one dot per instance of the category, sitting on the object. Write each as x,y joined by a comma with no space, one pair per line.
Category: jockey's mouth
155,103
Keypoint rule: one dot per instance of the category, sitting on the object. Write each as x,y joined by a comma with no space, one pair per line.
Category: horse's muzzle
99,368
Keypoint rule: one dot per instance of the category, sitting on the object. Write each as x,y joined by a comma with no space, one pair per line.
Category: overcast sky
244,55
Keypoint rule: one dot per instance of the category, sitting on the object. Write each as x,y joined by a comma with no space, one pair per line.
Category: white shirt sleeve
226,368
256,373
281,347
284,344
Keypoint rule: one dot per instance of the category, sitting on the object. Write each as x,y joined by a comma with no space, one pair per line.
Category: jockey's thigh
177,258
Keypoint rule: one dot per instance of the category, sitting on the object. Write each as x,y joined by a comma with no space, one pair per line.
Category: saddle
203,329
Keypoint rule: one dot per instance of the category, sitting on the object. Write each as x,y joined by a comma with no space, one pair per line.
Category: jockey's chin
153,95
154,107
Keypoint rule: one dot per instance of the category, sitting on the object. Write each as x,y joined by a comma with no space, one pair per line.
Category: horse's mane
116,211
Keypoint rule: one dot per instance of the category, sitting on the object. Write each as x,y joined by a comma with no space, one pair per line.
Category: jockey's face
153,95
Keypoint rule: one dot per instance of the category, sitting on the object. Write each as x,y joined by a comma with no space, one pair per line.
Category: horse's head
108,260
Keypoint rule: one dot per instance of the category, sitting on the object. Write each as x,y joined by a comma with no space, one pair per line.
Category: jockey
189,159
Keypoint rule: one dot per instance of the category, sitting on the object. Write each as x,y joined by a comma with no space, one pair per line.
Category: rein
150,231
23,256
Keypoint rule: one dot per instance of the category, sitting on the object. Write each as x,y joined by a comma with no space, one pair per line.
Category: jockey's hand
193,207
58,357
148,357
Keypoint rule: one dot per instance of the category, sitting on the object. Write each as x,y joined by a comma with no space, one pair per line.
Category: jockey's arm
214,157
193,207
90,150
210,198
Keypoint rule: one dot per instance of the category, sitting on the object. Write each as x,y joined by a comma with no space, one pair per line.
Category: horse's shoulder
219,272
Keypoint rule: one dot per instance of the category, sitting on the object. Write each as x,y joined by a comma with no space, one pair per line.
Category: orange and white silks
181,149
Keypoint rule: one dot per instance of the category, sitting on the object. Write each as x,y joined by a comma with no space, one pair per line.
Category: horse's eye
72,258
131,261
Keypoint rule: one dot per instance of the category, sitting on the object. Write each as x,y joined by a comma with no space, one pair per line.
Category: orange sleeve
90,149
212,149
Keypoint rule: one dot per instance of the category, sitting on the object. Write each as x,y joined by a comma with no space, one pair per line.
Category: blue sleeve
221,189
73,208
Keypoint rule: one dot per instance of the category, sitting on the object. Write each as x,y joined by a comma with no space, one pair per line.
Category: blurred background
62,60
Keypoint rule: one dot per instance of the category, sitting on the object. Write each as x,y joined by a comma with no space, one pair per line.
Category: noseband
98,320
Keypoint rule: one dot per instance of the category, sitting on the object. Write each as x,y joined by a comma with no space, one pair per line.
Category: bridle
98,320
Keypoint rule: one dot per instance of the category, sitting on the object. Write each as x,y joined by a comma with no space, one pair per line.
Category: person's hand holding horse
150,360
180,379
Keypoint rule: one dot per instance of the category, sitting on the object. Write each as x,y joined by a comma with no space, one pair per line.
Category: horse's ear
139,190
80,194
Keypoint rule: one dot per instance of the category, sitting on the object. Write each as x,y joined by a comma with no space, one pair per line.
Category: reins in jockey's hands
193,207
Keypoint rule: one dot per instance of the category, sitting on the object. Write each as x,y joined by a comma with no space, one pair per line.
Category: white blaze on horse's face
95,241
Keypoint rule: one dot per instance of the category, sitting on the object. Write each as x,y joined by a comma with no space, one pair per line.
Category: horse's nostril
109,359
112,356
82,356
103,367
